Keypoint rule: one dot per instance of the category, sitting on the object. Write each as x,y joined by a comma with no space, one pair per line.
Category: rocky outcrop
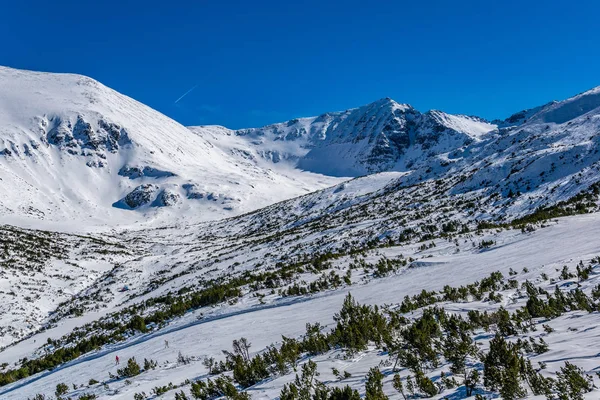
134,172
168,198
141,195
84,139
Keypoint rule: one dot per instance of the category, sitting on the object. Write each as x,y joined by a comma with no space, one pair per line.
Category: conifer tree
572,382
501,369
374,385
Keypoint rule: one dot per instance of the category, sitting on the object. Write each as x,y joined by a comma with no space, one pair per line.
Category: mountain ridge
72,148
434,201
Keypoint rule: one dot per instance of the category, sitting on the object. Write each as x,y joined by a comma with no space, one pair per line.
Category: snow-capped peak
563,111
72,149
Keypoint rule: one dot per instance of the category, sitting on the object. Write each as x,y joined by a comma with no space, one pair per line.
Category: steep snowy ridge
72,149
566,110
379,136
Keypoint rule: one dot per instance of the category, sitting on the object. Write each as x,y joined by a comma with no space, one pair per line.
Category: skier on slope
116,360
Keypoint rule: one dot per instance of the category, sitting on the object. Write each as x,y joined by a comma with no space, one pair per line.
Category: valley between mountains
376,252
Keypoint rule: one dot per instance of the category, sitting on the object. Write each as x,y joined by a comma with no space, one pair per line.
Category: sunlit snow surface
576,336
151,199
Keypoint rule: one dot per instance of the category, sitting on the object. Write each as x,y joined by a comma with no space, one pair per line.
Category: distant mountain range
122,230
72,149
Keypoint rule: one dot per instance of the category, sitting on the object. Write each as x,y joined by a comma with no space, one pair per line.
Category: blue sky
257,62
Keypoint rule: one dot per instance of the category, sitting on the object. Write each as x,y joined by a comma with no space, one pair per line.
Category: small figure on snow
166,344
117,360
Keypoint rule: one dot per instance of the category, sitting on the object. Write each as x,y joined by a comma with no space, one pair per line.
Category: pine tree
539,384
471,381
345,393
132,369
501,369
304,384
504,323
180,396
210,363
374,385
61,389
426,385
397,383
572,382
410,385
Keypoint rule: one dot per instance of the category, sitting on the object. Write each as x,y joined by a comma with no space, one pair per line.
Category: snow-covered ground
544,251
74,151
147,208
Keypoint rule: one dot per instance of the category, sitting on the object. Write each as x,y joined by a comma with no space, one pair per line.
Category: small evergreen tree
304,384
345,393
210,363
149,364
132,369
61,389
572,382
426,385
181,396
501,369
374,385
410,385
397,383
471,381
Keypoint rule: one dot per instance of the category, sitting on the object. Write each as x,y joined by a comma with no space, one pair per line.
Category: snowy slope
380,136
72,149
446,264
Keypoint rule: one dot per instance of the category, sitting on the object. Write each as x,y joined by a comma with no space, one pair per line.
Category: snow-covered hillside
536,257
219,234
380,136
72,149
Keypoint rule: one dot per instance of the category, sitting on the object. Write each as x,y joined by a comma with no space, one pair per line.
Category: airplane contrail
185,94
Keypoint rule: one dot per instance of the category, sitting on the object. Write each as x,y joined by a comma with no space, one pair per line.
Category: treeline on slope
582,203
27,250
113,330
434,339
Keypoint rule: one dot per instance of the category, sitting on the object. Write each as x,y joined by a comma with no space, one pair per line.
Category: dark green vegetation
424,344
418,345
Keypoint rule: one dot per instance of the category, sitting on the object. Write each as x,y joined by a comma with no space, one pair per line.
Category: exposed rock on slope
380,136
71,148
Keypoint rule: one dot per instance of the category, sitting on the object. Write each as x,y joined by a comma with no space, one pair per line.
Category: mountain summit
72,149
380,136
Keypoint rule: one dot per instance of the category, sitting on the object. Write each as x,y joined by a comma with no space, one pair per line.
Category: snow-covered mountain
380,136
72,149
433,204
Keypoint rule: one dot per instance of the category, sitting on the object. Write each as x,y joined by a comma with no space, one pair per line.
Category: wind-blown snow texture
130,197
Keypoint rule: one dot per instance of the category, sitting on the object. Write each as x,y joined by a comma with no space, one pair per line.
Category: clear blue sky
257,62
